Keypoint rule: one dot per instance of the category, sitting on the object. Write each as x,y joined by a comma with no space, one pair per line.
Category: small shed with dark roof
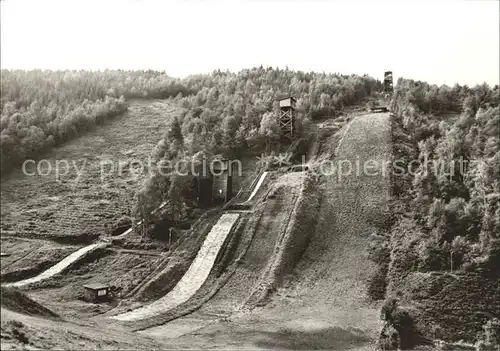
96,292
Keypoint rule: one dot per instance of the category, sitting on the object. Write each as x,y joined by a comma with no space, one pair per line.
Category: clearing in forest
47,207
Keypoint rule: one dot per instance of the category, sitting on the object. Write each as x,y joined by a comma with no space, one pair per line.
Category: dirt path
194,277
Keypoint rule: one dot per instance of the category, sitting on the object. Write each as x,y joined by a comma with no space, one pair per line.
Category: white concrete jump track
59,267
189,283
257,186
68,260
194,278
199,270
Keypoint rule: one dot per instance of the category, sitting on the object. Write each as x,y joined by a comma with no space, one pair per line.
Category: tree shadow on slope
333,338
17,301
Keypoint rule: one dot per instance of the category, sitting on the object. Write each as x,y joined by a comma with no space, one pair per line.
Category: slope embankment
332,275
173,279
267,246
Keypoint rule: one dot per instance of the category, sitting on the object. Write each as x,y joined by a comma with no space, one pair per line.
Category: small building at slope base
96,292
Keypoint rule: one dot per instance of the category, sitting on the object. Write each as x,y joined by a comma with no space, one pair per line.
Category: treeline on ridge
455,191
442,254
41,108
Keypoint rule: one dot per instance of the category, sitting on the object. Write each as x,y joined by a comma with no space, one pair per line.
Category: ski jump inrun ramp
194,277
189,283
199,270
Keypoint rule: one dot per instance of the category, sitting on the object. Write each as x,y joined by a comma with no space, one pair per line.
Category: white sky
439,42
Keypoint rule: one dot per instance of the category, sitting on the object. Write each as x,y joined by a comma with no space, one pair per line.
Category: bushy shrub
379,253
378,283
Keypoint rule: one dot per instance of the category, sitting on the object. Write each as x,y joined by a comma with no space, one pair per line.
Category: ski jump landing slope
331,282
194,277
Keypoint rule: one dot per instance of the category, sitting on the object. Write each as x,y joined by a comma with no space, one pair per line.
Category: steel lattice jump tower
388,87
287,117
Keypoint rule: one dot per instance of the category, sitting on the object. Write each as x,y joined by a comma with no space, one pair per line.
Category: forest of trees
454,192
232,114
222,114
441,253
40,109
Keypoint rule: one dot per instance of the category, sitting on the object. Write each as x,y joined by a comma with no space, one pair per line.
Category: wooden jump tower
287,117
388,87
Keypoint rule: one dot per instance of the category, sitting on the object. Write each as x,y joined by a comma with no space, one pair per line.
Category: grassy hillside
29,257
90,201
